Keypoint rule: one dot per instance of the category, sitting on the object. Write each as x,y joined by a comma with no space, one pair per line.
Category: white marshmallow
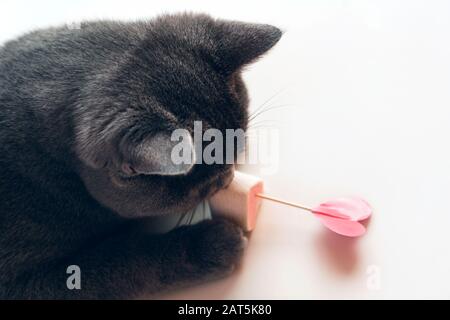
239,201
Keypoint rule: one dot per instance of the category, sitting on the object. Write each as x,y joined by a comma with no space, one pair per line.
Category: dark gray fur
82,115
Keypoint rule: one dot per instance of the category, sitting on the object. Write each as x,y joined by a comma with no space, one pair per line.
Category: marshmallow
239,201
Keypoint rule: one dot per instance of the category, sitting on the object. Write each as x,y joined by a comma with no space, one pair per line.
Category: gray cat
85,121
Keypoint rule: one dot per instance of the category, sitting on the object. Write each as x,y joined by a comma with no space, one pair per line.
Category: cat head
184,68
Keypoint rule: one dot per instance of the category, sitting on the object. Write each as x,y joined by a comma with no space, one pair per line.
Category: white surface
370,84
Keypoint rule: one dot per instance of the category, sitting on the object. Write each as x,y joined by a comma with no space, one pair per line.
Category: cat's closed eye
127,170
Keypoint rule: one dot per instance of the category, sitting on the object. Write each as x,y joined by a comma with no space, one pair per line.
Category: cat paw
216,246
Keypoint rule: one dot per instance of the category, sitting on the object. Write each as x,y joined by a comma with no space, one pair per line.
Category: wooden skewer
292,204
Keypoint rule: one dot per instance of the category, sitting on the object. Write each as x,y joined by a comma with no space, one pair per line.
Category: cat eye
127,170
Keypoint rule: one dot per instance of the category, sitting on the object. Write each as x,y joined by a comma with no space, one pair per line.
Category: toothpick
292,204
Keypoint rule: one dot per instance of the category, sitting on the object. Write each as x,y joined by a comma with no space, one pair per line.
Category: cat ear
241,43
160,155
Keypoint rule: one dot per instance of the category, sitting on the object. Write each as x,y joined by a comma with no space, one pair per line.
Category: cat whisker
180,220
259,126
267,101
268,121
253,117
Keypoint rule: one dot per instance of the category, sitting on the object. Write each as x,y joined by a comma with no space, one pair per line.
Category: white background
368,87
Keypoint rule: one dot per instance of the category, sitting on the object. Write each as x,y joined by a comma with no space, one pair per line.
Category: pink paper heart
348,208
342,215
343,227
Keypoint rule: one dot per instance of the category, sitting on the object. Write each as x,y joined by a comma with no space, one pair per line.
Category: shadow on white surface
342,254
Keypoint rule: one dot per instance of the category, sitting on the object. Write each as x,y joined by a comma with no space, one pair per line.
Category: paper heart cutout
342,215
343,227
